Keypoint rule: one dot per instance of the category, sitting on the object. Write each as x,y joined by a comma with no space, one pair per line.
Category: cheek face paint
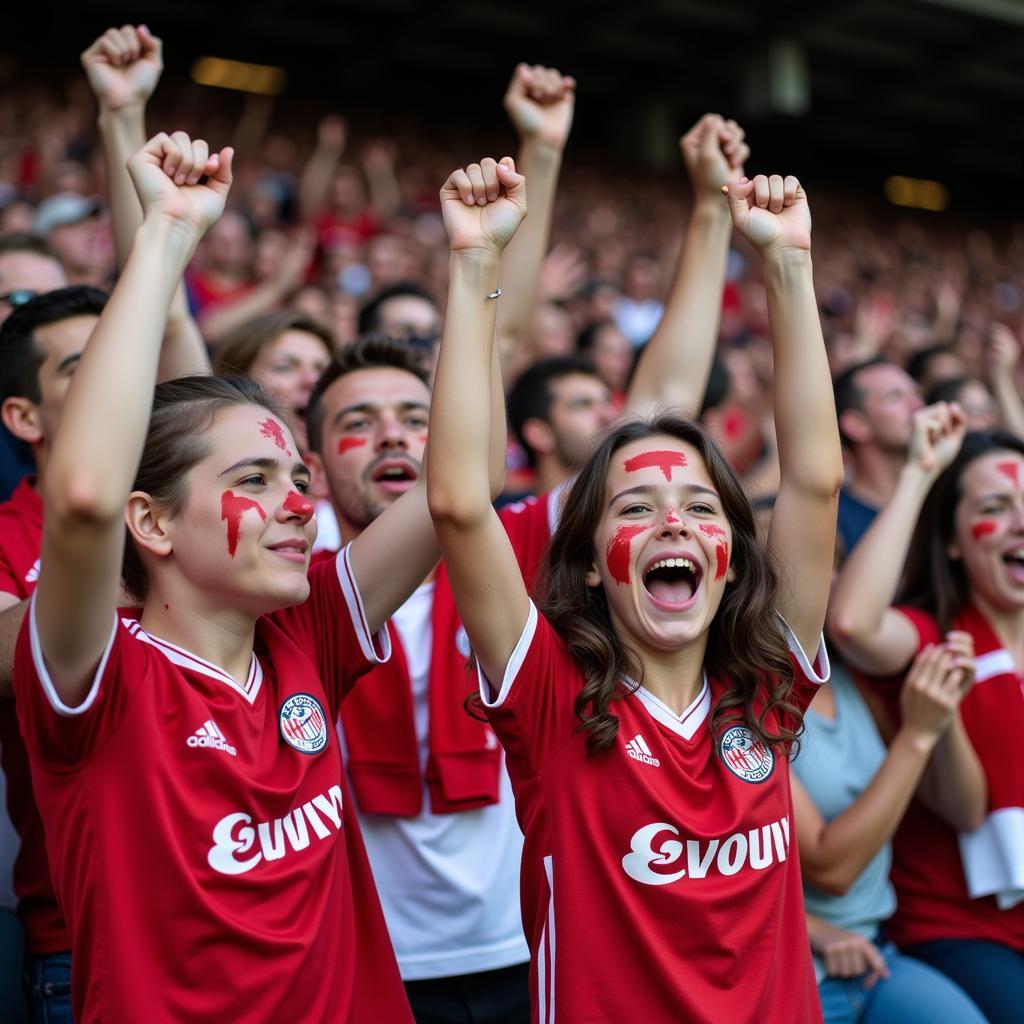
422,438
617,555
272,429
1011,470
232,508
298,504
984,527
346,444
665,461
721,548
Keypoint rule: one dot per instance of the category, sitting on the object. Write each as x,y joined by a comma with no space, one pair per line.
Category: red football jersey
660,879
201,836
21,533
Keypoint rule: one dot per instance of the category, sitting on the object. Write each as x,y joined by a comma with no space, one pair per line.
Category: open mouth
672,582
1014,562
394,476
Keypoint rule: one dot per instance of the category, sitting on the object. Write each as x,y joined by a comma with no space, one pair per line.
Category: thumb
514,183
711,127
738,192
220,177
150,43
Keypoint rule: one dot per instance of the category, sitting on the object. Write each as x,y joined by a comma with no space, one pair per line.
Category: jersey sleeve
331,623
61,736
529,525
808,674
531,711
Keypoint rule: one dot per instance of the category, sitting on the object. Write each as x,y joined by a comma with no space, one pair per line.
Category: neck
675,677
1008,626
876,473
218,635
550,473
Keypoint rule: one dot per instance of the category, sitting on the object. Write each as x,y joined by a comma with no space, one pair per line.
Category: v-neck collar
686,724
186,659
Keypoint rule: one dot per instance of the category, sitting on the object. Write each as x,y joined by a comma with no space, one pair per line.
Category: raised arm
1004,354
540,103
772,214
97,449
123,68
323,162
479,559
674,368
868,632
833,854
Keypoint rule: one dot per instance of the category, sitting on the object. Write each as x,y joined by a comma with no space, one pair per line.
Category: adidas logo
639,751
208,735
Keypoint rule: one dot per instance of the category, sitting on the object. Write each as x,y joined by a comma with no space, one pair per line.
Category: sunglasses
18,297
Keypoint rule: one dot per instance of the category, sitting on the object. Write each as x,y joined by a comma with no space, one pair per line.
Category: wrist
176,239
539,147
917,741
711,208
131,113
918,480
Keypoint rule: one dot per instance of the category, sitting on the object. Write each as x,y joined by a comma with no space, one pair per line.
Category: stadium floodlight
262,79
917,193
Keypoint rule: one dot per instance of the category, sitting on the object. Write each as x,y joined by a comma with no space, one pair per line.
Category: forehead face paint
721,548
617,555
272,429
983,528
298,504
665,461
346,444
1010,470
232,508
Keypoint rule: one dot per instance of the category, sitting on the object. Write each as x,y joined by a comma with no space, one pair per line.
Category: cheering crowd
678,678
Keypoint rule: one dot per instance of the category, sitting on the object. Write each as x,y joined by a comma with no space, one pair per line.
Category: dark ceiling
928,88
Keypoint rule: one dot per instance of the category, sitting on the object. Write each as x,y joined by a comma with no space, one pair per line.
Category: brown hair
183,411
239,349
746,646
932,581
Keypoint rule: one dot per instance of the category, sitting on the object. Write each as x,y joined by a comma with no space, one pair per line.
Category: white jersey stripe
550,929
542,978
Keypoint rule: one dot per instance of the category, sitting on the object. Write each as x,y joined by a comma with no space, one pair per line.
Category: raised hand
1003,350
181,180
540,103
714,153
123,66
938,433
937,682
771,213
332,132
483,205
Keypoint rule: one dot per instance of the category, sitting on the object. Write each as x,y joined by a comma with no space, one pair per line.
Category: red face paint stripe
298,504
348,443
272,429
1011,470
232,508
983,529
665,461
721,548
617,555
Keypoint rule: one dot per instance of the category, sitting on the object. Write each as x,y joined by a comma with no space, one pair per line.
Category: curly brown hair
746,645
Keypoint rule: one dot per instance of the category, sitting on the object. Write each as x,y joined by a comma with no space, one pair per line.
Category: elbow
834,879
456,508
74,501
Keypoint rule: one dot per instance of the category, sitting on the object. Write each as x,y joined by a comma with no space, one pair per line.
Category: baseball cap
65,208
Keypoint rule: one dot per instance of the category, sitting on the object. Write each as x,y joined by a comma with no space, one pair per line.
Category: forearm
810,457
316,180
674,368
11,618
385,196
954,784
226,316
521,262
1011,408
122,132
459,453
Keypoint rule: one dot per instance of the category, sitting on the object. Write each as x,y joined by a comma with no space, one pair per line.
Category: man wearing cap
78,228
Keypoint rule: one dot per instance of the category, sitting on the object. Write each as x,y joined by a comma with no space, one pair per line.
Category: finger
459,180
184,146
492,186
876,963
738,194
776,196
476,179
132,46
790,189
221,175
152,46
200,155
762,194
709,144
512,181
114,45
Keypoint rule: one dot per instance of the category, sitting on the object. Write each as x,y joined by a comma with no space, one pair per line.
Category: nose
297,505
391,434
673,524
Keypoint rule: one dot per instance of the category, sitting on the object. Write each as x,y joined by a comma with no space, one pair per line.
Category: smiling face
663,545
246,531
989,529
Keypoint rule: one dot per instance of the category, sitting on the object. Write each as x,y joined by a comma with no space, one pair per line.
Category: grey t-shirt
836,763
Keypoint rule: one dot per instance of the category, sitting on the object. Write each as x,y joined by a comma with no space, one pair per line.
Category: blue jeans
49,980
913,994
991,974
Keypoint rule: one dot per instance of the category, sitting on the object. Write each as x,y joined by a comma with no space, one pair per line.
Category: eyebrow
371,407
268,464
68,361
642,489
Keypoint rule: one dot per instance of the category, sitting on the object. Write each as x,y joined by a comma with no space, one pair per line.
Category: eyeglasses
18,297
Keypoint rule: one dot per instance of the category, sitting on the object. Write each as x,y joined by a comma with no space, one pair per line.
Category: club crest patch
303,723
747,757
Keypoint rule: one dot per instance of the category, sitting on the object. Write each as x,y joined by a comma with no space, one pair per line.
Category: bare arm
1004,354
540,102
773,215
123,67
12,614
97,450
869,633
674,368
379,167
481,564
319,170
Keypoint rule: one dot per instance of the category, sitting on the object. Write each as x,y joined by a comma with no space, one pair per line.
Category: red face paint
298,504
422,438
983,528
617,555
232,508
665,461
348,443
272,429
1011,470
721,548
672,519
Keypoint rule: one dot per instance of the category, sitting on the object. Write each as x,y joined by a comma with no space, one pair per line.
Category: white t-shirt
448,883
